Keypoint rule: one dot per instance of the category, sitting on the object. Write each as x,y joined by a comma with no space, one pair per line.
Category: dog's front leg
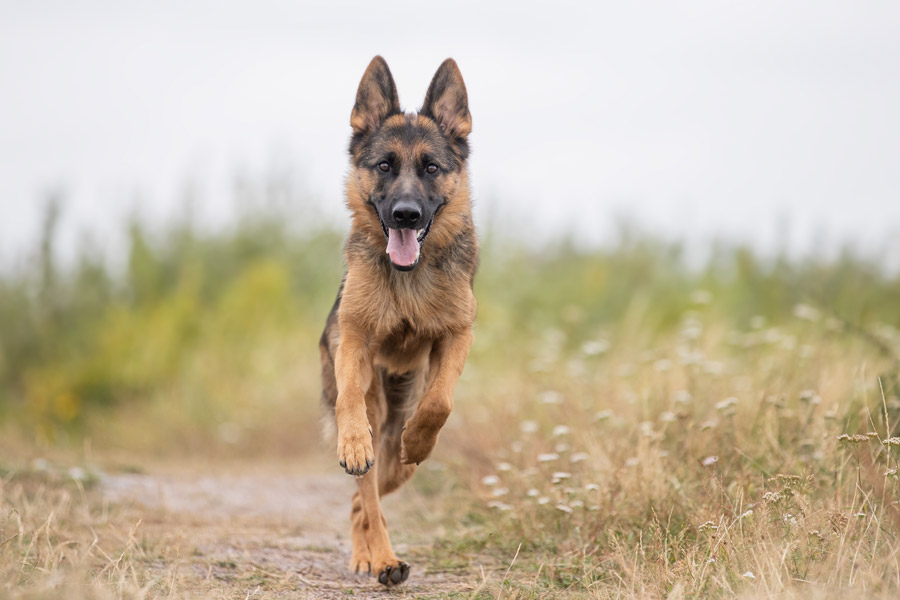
448,357
353,373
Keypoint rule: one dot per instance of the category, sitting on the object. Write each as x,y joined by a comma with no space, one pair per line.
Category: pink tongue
403,246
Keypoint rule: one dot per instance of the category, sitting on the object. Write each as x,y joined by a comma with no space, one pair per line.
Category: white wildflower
806,312
592,487
543,500
532,493
578,457
662,365
504,466
497,492
726,403
528,426
594,347
564,508
709,424
749,575
560,430
714,367
490,480
548,457
603,415
710,461
550,397
682,397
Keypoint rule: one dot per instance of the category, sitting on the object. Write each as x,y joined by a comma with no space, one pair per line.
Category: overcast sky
697,119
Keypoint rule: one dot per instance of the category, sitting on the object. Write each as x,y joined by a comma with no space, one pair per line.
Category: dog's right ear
376,98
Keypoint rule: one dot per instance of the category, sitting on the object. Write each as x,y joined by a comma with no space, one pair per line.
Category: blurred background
172,176
688,302
771,123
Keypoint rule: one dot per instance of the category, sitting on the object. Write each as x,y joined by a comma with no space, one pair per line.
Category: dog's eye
431,169
384,167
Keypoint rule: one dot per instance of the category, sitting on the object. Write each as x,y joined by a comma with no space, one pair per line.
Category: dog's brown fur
396,341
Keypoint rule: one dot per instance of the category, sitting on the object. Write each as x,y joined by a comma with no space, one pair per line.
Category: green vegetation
667,429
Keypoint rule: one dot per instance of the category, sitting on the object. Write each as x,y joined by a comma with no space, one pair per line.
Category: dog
398,336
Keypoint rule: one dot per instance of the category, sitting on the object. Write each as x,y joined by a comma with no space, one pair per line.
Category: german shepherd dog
398,336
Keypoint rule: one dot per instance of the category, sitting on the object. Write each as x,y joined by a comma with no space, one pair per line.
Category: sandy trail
270,532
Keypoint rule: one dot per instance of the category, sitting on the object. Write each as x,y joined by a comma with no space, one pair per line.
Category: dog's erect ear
376,98
447,103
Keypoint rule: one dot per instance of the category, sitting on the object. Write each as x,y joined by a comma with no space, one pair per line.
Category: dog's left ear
447,102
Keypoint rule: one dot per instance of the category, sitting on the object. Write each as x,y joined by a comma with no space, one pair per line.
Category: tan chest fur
402,314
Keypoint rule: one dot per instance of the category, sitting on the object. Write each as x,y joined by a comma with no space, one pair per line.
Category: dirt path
270,532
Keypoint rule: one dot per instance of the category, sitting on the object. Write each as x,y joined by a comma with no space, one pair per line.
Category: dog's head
408,170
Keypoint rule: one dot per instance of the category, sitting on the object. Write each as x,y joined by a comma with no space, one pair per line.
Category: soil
271,532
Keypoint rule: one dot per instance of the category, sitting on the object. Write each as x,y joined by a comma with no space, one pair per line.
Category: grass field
628,426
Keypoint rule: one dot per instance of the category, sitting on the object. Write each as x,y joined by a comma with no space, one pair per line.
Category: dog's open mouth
404,246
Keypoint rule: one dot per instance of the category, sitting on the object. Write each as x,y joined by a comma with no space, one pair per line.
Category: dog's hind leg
401,392
361,558
391,472
383,562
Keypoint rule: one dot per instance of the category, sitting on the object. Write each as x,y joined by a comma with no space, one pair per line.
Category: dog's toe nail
397,574
383,576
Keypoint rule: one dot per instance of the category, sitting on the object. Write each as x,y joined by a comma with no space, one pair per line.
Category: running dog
397,338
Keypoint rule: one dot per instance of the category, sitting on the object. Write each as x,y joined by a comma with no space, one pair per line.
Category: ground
274,531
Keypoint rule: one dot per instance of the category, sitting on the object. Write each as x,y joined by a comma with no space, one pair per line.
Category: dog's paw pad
394,574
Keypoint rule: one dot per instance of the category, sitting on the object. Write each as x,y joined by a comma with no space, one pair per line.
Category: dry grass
711,462
616,433
755,463
55,542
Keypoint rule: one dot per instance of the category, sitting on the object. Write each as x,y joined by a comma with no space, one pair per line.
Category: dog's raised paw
394,574
416,445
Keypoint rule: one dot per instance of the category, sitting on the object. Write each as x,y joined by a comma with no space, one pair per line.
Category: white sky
697,119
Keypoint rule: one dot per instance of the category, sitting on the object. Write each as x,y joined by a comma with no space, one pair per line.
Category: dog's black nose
406,213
